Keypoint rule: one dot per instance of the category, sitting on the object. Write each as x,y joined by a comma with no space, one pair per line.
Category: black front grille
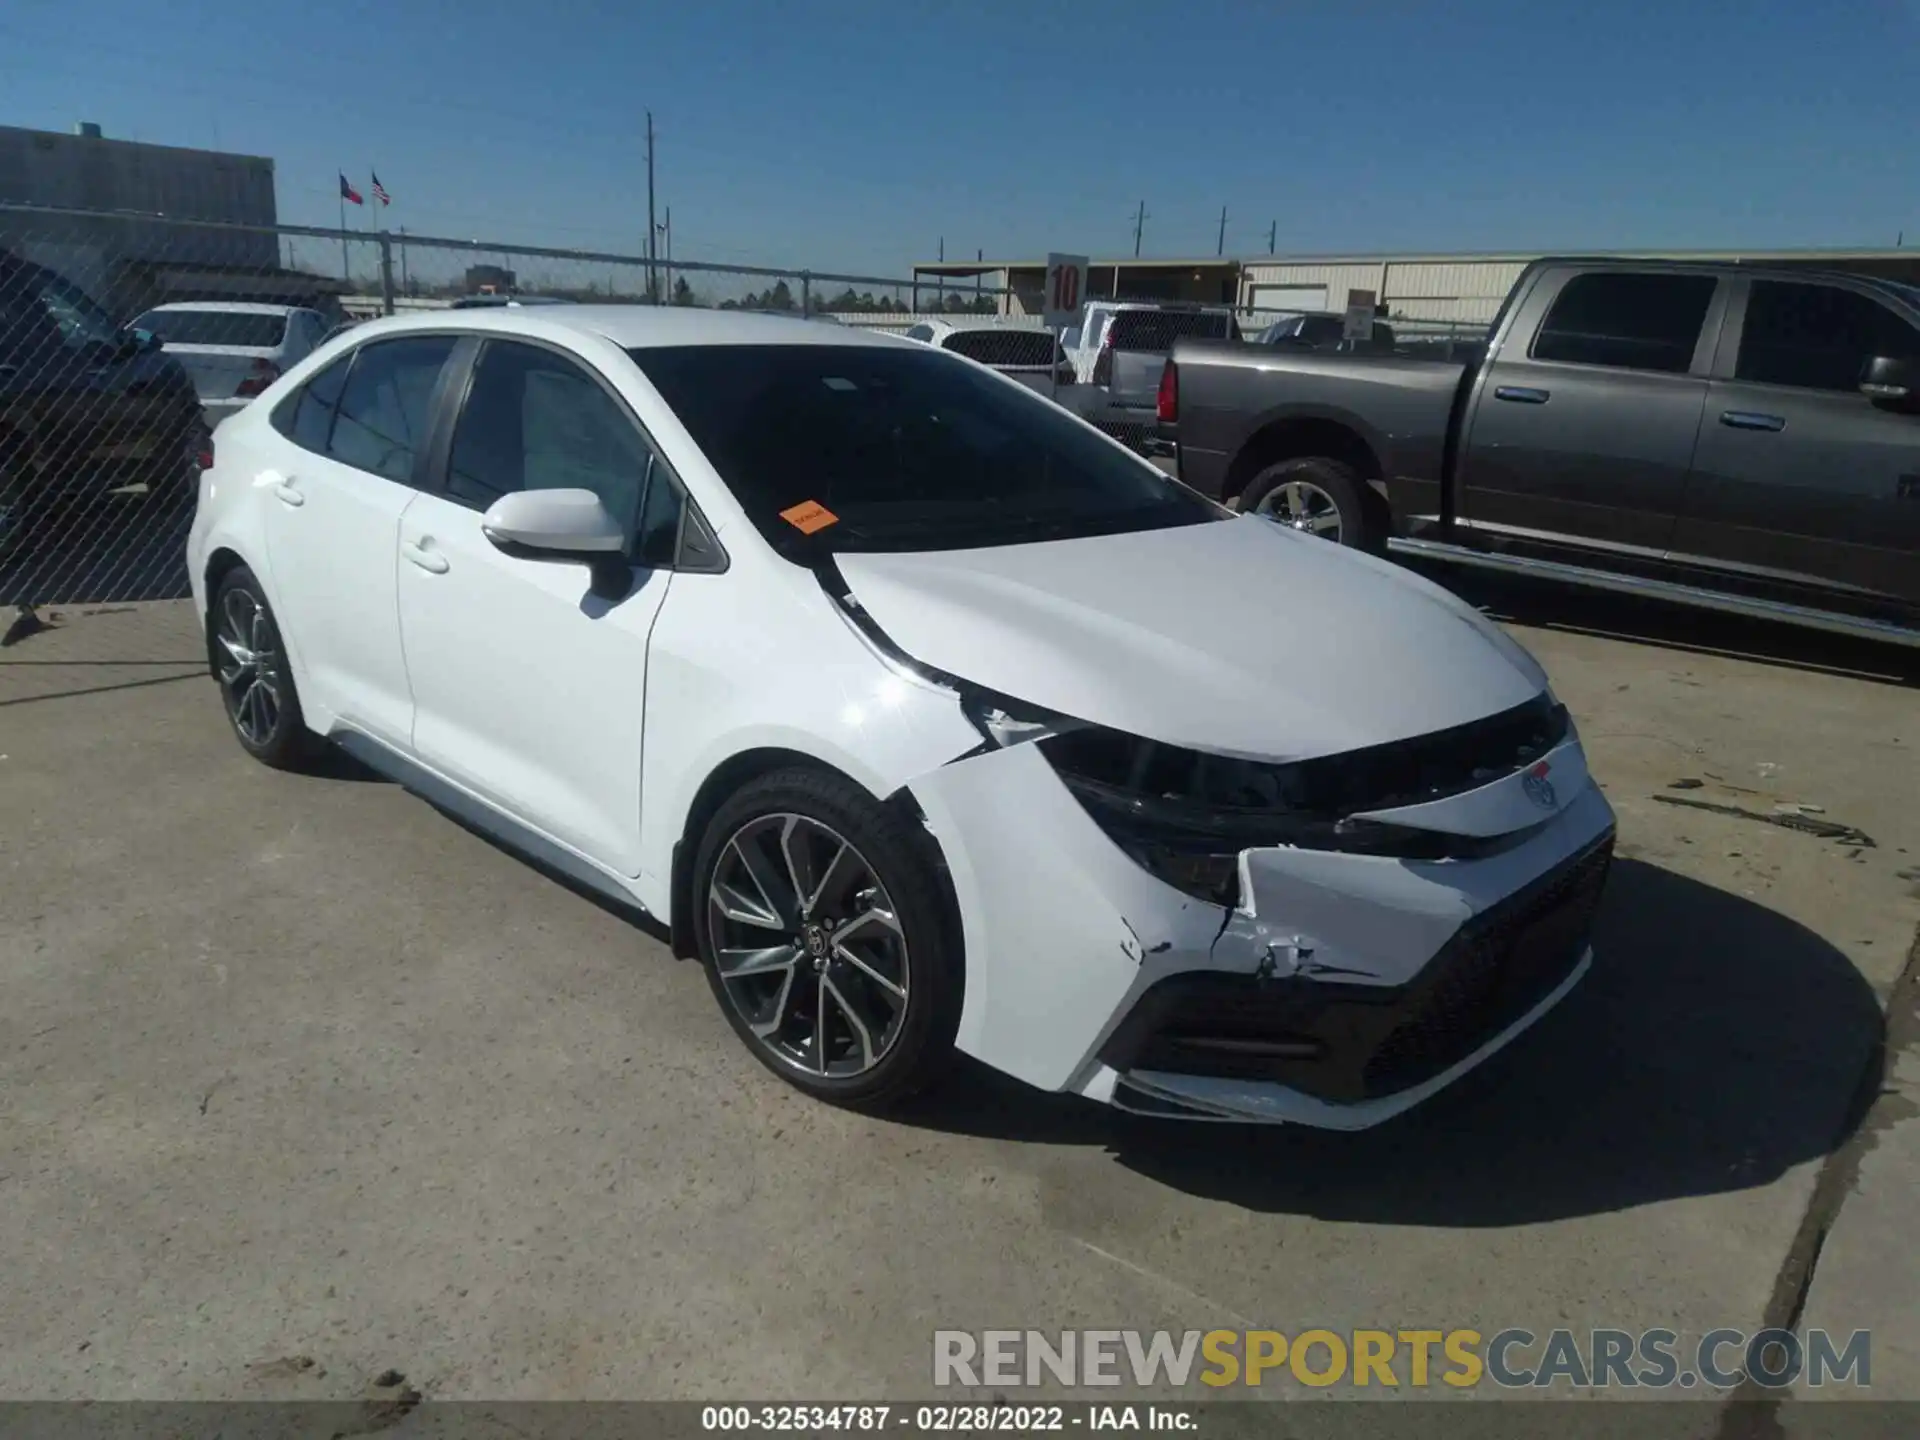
1345,1042
1499,967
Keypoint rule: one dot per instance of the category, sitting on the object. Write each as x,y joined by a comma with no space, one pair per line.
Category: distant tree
779,298
751,301
985,305
683,292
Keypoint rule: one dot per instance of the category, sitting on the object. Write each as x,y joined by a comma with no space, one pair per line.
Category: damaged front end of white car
1198,931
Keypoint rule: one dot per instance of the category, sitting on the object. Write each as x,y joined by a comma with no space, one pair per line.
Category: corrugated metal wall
1469,290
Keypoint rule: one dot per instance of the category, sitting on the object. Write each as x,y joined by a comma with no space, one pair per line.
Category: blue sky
856,134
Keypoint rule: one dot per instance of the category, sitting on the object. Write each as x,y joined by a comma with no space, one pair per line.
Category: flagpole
346,269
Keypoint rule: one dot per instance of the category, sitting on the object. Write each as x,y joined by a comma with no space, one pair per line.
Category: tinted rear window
215,327
1627,321
1030,348
1155,330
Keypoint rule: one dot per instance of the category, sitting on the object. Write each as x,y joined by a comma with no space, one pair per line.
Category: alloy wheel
807,946
1301,505
247,665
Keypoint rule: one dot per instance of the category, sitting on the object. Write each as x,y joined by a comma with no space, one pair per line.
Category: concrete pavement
294,1068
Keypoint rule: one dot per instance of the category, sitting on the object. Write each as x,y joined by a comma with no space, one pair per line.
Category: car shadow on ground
109,554
1714,1045
1523,600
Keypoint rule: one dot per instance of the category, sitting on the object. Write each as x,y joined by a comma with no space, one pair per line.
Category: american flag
380,192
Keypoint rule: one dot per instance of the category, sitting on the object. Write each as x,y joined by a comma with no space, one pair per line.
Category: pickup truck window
1627,321
1818,337
1155,330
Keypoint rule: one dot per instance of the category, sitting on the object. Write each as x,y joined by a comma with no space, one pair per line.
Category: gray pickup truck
1726,436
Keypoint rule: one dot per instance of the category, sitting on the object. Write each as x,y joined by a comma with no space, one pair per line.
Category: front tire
249,661
1316,496
823,928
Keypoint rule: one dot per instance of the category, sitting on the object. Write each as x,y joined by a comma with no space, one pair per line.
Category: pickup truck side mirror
1893,384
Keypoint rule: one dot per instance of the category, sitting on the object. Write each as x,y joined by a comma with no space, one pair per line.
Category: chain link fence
125,338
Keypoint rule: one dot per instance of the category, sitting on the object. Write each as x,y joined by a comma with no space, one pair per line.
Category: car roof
224,307
632,327
1732,268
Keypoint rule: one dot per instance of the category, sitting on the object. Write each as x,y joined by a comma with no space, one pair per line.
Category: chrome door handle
285,492
431,561
1521,394
1752,420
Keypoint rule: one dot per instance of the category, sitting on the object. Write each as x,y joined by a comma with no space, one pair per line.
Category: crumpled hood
1240,638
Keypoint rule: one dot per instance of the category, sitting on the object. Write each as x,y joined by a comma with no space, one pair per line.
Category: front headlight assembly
1185,815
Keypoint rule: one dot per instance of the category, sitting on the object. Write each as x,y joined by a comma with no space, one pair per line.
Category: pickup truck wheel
1317,496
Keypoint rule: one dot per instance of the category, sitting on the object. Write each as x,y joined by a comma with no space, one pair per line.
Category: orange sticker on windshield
809,516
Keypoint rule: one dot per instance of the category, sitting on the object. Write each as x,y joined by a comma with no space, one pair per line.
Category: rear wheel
1316,496
256,682
820,920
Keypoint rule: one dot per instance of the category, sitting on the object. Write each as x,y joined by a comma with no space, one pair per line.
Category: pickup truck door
1798,476
1583,424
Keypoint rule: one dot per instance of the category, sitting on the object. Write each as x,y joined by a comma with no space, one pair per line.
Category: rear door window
306,417
1627,321
386,404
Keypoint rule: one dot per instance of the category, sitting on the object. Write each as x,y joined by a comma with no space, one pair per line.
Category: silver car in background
233,349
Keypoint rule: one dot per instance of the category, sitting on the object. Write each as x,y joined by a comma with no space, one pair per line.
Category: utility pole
653,288
667,228
1221,247
943,249
1139,224
1273,235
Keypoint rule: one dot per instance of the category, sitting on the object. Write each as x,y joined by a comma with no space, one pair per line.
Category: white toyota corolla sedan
926,716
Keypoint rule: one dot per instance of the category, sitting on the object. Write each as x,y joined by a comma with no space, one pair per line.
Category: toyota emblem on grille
1539,789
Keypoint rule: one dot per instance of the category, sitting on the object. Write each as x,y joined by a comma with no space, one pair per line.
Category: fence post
806,292
386,273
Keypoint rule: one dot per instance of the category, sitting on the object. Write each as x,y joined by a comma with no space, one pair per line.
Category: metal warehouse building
1462,289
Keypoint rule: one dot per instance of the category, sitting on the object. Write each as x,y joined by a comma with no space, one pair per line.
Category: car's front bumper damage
1341,990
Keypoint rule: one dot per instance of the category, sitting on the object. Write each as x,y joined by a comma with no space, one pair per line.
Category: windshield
241,329
855,447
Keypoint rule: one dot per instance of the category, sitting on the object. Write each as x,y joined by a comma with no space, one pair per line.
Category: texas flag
349,194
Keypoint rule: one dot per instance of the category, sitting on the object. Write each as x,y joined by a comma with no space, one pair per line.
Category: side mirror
1892,383
554,522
